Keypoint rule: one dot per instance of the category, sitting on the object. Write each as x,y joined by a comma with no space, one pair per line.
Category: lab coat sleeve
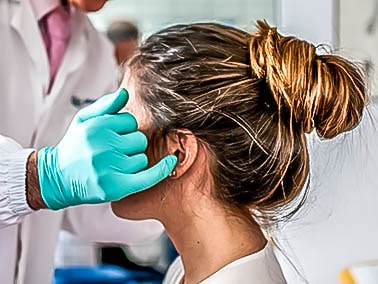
13,204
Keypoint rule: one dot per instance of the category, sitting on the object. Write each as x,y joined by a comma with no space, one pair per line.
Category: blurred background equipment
360,273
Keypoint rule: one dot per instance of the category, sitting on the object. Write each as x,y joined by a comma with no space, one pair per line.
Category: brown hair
250,98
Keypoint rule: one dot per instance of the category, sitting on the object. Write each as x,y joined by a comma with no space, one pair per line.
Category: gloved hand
99,159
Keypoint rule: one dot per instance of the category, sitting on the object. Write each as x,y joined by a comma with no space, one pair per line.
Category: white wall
342,24
355,39
315,21
152,15
337,226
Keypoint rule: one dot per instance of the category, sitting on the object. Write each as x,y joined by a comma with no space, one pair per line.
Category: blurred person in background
52,63
125,37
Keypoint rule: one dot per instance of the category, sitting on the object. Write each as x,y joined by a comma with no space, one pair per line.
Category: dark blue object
80,103
104,274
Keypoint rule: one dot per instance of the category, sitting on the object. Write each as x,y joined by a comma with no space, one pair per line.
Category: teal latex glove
101,158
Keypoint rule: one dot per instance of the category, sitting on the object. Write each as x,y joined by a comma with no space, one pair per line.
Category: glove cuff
51,189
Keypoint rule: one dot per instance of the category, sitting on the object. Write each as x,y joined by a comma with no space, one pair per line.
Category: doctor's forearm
33,191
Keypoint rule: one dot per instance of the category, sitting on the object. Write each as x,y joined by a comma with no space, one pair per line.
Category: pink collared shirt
54,24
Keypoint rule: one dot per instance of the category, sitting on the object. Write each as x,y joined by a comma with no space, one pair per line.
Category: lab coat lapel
75,54
24,22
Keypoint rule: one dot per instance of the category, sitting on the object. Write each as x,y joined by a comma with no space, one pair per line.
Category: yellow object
346,277
365,272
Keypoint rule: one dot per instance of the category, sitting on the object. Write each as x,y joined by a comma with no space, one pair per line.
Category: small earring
172,174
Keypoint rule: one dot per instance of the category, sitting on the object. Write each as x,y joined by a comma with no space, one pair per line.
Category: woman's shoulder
261,267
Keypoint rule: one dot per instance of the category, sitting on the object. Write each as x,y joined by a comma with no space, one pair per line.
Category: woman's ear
184,145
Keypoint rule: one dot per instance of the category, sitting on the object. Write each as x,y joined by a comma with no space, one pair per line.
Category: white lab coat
35,119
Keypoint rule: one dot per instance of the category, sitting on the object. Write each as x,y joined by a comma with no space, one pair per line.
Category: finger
149,177
131,143
108,104
137,163
120,123
130,164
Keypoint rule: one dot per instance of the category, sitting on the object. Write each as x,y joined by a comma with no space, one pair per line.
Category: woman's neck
208,238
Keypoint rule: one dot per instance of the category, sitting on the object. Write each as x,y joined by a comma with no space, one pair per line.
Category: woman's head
249,100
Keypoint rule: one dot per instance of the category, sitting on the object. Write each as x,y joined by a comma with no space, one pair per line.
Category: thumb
108,104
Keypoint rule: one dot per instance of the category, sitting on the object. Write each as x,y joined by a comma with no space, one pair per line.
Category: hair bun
326,91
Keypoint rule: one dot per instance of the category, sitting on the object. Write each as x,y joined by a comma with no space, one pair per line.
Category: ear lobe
184,145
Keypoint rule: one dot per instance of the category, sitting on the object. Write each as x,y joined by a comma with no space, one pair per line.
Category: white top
261,268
